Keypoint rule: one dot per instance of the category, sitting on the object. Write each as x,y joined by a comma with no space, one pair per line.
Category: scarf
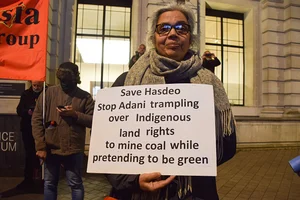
152,68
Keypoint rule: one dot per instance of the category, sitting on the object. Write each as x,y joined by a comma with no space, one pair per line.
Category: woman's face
172,45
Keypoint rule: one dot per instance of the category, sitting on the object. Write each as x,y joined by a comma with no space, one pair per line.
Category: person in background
141,50
24,110
61,140
210,61
170,61
138,54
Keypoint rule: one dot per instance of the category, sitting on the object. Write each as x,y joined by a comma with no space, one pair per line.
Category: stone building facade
270,115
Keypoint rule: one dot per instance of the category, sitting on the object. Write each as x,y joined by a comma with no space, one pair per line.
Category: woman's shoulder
203,72
207,77
120,80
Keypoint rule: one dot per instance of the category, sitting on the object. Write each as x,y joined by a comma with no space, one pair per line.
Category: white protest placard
154,128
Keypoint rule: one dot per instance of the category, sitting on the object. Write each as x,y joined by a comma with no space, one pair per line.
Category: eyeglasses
164,29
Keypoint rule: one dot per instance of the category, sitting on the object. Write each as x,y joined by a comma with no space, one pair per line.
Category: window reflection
233,32
90,49
224,37
116,59
117,19
116,51
89,19
102,55
233,74
213,29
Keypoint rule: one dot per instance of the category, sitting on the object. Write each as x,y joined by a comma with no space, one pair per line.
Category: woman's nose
172,32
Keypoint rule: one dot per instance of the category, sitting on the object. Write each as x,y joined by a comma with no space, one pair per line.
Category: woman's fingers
152,181
162,183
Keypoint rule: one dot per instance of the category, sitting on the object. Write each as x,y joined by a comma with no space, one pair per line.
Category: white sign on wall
154,128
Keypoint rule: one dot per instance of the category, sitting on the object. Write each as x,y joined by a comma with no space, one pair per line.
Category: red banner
23,39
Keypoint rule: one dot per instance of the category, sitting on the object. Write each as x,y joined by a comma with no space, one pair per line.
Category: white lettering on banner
149,128
7,141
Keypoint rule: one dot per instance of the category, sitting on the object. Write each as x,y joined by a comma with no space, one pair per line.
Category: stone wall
270,116
281,51
267,132
61,35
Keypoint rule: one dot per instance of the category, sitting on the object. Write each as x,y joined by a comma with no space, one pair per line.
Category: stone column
273,58
61,36
67,31
53,40
139,24
281,58
292,56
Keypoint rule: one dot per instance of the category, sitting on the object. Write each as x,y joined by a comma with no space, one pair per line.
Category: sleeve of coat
120,80
216,62
123,181
38,130
131,62
86,118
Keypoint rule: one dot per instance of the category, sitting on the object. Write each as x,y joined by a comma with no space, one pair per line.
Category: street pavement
255,174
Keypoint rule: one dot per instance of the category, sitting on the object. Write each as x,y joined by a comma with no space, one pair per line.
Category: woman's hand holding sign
152,181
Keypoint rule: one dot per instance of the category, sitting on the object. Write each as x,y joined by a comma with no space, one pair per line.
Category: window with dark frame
102,42
225,37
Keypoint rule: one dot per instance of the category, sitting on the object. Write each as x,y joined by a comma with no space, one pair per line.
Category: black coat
27,101
211,64
204,187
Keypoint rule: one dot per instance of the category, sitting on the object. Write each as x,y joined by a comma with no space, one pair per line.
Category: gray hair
188,13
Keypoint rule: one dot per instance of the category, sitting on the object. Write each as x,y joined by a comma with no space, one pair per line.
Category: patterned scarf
152,68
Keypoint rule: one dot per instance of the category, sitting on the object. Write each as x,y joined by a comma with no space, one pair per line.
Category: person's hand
213,55
152,181
29,112
67,112
42,155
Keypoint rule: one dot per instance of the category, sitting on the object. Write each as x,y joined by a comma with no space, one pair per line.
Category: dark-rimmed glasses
164,29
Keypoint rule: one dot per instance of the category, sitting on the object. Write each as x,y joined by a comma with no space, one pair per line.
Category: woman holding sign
171,60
